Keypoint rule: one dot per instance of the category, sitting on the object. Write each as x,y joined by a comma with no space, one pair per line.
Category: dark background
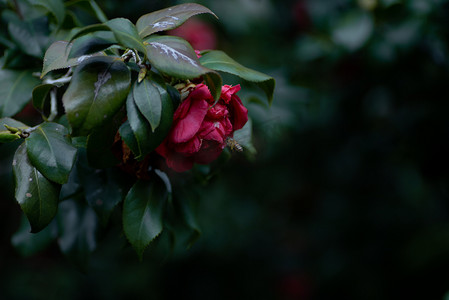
348,194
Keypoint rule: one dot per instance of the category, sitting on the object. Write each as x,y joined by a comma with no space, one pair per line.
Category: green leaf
220,61
182,220
100,141
148,100
89,29
91,6
55,7
243,136
51,151
27,243
12,123
31,36
56,57
6,135
103,190
142,213
77,231
175,57
137,132
37,196
15,90
127,135
126,33
40,94
98,89
168,18
140,127
92,43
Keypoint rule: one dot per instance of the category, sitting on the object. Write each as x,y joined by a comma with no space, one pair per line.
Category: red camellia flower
200,128
199,34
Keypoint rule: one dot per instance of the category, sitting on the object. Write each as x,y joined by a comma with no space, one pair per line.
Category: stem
26,132
58,81
19,13
53,105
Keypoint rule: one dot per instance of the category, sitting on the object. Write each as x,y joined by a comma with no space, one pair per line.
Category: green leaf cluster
105,94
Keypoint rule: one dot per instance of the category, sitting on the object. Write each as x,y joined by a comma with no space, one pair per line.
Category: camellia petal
228,91
239,113
187,127
201,126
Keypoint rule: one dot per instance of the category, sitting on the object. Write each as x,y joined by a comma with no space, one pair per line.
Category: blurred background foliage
348,193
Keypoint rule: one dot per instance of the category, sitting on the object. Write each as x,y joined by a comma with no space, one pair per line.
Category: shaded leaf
175,57
92,43
37,196
11,122
56,57
91,6
126,33
40,95
77,231
353,30
243,136
89,29
98,89
168,18
15,90
27,243
142,213
220,61
100,142
137,133
32,37
140,128
55,7
149,102
51,151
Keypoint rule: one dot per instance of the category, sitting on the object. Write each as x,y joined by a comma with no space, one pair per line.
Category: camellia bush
133,123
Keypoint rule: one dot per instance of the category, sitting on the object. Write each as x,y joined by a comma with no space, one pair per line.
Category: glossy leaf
220,61
51,151
142,213
98,89
15,90
27,243
140,127
89,29
127,135
175,57
37,196
92,43
40,95
149,102
56,57
126,33
55,7
78,225
137,133
168,18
